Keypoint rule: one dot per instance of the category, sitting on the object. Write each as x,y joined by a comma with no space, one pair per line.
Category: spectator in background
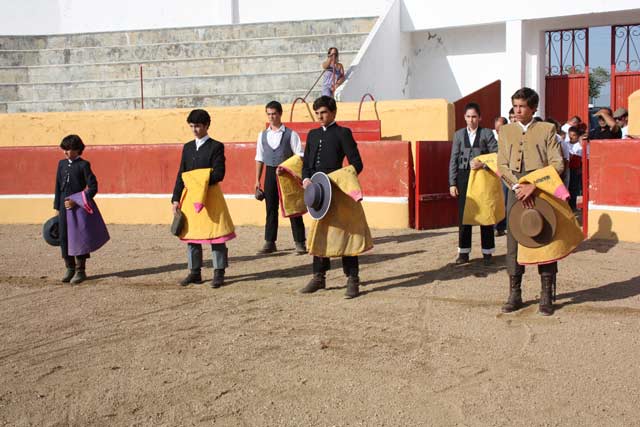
566,149
501,227
575,165
607,127
538,119
573,121
512,116
334,73
621,116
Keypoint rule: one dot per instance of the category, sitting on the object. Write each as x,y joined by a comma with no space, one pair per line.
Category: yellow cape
568,233
344,230
204,208
290,187
485,199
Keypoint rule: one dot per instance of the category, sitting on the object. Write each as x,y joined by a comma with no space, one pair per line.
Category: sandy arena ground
425,343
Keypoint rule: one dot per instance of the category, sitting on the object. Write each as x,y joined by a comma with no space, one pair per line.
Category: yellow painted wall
408,120
158,211
634,113
614,225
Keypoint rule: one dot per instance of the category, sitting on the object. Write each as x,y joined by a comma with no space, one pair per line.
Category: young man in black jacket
325,151
202,152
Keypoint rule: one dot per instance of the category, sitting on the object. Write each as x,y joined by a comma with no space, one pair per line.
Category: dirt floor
425,343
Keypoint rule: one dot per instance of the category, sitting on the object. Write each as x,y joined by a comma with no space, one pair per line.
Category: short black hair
274,105
72,142
325,101
538,119
576,118
511,111
576,129
529,95
502,119
472,106
199,117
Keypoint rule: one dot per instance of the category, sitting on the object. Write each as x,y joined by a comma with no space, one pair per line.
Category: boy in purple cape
81,227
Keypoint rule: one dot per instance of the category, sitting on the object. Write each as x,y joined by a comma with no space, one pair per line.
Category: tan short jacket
537,146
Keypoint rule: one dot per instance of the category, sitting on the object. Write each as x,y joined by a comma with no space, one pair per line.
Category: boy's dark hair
538,119
576,118
325,101
529,95
502,119
555,123
72,142
472,106
511,111
274,105
576,129
199,117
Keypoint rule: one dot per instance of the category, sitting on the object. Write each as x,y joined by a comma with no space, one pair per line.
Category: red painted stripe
152,168
614,172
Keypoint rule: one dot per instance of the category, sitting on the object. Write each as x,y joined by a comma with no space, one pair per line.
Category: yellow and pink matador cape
488,208
344,230
207,218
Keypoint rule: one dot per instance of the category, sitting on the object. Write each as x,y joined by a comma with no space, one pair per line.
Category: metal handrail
141,89
305,103
375,105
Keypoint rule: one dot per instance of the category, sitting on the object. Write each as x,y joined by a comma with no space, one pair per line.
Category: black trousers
575,187
350,265
464,231
513,268
273,204
502,225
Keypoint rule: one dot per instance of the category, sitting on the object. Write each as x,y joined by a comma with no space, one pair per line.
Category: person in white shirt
573,121
276,144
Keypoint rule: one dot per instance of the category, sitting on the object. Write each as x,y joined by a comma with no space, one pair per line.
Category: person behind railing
575,165
334,73
607,127
621,116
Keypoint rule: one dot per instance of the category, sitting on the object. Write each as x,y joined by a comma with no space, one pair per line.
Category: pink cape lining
217,240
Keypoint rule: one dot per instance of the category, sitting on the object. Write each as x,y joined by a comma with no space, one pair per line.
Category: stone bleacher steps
182,68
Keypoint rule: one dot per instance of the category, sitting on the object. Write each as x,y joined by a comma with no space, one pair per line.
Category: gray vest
271,157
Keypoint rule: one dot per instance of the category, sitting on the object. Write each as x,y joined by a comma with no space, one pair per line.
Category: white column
235,11
513,74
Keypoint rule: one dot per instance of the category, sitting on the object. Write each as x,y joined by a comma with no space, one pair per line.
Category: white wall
451,63
382,64
32,17
425,15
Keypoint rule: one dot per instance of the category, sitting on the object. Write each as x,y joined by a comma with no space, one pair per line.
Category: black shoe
547,294
268,248
353,284
514,302
462,259
301,248
68,275
218,278
191,278
315,284
500,233
487,259
79,277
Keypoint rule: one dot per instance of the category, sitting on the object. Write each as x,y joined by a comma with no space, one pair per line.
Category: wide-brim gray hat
51,231
317,196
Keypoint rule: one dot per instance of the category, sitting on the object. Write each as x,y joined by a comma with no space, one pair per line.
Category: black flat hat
51,231
317,196
535,227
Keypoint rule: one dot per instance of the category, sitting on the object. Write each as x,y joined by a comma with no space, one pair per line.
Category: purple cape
86,230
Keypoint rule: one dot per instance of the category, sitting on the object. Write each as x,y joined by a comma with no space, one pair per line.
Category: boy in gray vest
275,145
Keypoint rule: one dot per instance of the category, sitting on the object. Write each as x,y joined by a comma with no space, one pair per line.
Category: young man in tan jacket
523,147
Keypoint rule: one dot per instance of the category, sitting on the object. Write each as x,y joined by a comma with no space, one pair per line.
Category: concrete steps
191,34
167,68
189,67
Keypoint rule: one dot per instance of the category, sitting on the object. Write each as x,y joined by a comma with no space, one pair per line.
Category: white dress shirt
472,135
274,137
200,142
